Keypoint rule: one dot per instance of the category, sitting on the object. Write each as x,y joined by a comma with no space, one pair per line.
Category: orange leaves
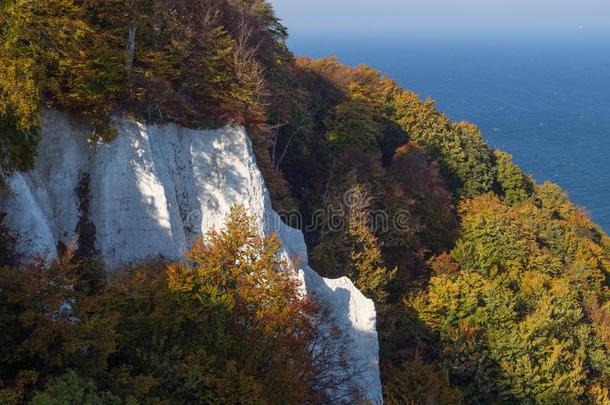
533,280
269,323
229,323
444,264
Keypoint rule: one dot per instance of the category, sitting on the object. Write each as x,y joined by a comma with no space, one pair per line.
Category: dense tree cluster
520,308
205,330
500,300
7,243
197,63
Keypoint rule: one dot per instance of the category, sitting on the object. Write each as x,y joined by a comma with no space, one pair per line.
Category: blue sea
544,98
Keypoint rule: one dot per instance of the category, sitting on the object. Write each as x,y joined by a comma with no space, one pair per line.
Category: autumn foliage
230,324
196,63
526,305
488,287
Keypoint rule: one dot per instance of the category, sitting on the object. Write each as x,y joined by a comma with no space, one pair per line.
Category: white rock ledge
154,189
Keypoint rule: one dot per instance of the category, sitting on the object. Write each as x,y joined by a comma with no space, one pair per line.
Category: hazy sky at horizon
393,15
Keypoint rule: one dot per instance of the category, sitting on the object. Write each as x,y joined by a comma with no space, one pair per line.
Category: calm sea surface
545,100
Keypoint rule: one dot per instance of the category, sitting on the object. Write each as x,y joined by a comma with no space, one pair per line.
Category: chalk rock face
150,192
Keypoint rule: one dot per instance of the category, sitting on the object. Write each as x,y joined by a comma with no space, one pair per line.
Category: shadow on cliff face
148,193
364,369
128,207
353,346
85,228
205,174
155,189
137,201
345,371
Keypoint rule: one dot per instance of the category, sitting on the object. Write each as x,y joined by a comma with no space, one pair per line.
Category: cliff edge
149,193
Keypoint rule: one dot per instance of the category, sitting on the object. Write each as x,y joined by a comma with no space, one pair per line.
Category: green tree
349,246
464,157
415,382
515,186
351,125
8,255
229,324
36,40
72,389
50,324
512,315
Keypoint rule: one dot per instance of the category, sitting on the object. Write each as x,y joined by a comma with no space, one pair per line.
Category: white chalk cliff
152,191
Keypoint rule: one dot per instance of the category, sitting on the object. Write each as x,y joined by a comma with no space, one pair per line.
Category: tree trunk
130,49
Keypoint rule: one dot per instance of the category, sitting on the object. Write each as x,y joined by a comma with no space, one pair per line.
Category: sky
404,15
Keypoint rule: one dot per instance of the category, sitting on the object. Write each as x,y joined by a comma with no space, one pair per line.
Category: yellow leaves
180,278
41,41
527,274
368,85
19,90
241,263
589,253
71,55
599,394
227,324
533,285
411,112
482,205
554,200
453,298
600,316
545,262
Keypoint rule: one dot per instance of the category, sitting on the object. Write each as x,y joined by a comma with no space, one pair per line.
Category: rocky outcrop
151,192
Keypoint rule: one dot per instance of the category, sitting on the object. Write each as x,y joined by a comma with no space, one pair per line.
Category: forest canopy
204,330
196,63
